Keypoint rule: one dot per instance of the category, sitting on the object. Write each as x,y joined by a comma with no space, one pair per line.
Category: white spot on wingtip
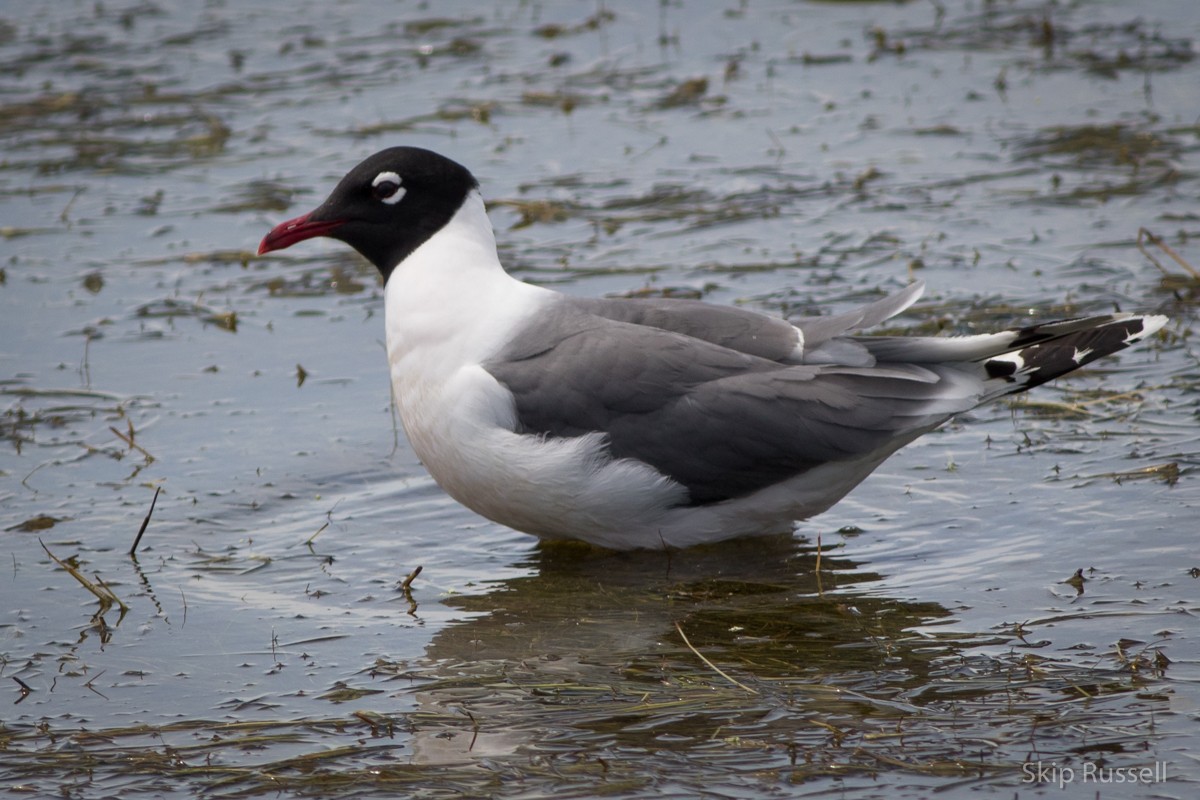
1151,323
1013,358
1079,355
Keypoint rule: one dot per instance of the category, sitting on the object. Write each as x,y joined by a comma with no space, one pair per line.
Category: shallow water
920,636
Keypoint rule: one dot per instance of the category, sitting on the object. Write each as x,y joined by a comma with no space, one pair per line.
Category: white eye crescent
388,187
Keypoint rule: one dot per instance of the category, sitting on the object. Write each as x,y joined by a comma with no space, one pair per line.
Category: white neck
450,303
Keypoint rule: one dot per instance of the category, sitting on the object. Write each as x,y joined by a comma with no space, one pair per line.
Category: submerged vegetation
782,676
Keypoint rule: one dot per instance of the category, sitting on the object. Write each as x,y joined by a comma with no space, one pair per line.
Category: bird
648,423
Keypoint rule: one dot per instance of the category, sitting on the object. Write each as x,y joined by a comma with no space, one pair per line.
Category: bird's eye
388,188
385,191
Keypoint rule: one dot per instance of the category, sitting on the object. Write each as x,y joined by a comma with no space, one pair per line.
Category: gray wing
728,326
720,422
818,330
806,340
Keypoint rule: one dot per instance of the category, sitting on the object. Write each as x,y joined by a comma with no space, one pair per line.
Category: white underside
569,488
449,306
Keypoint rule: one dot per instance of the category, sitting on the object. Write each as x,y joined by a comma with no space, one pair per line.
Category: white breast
450,307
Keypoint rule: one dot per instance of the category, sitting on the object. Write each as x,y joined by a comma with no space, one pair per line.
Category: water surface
925,634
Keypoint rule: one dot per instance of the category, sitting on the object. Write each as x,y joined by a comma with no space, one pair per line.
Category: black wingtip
1042,353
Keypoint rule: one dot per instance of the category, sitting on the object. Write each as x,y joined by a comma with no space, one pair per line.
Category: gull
648,423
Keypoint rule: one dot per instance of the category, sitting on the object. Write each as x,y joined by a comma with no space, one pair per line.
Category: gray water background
791,157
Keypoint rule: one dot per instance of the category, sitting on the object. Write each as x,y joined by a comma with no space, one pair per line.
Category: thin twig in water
711,665
667,550
1145,233
817,568
64,214
89,685
104,585
138,539
128,439
406,588
26,689
30,475
406,585
105,595
85,369
474,727
309,540
328,520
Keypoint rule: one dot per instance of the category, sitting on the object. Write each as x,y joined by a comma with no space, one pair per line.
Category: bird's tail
1021,358
1041,353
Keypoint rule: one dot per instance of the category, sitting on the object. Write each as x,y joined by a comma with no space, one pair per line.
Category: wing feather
721,422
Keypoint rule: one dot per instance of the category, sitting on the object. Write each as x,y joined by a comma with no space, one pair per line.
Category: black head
384,208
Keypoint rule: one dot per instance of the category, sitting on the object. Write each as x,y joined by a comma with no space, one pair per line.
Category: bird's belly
463,430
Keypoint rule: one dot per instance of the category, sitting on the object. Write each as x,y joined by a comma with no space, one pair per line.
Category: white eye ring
390,177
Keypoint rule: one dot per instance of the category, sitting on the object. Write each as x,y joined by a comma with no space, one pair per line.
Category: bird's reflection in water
657,649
